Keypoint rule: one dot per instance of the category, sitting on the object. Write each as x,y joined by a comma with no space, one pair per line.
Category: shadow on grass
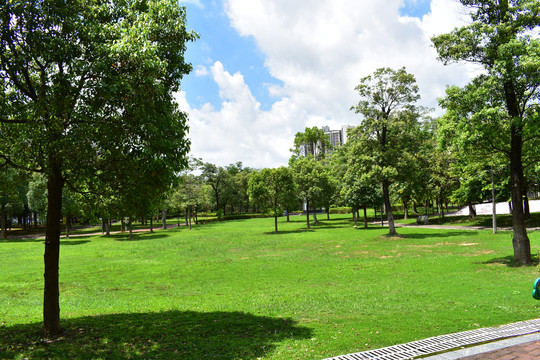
285,232
510,262
448,233
165,335
142,236
73,242
20,240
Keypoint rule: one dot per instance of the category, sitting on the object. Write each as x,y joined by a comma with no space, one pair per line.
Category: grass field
235,290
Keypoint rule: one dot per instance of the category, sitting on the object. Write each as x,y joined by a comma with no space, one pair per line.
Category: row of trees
87,103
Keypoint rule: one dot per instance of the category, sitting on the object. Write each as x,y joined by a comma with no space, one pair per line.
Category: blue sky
266,69
417,8
219,41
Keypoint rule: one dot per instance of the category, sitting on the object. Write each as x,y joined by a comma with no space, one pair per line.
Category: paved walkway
523,347
520,340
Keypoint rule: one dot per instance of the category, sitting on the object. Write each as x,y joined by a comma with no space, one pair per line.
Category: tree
313,141
87,98
215,176
359,193
8,196
273,189
387,99
499,39
311,179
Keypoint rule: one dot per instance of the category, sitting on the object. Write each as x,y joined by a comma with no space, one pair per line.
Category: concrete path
523,347
520,340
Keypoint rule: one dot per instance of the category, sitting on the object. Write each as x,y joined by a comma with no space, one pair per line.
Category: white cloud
319,50
239,130
201,71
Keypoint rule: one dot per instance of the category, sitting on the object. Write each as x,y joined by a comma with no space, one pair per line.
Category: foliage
498,111
313,182
313,141
87,99
380,142
273,189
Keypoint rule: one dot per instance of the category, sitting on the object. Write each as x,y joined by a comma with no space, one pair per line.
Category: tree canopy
502,105
387,105
87,99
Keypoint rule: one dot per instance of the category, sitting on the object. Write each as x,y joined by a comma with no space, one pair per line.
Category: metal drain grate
445,342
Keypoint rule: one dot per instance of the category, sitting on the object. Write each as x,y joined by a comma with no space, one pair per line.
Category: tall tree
387,106
273,189
499,39
87,97
313,141
311,179
216,177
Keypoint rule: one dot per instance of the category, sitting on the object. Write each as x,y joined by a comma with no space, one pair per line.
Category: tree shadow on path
164,335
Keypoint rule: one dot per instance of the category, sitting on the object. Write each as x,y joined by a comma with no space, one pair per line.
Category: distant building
337,137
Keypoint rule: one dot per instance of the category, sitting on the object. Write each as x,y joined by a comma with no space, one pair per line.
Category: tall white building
337,137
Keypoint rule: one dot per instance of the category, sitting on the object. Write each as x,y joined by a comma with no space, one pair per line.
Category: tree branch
6,121
8,161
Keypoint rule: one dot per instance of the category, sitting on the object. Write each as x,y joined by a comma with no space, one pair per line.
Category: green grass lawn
235,290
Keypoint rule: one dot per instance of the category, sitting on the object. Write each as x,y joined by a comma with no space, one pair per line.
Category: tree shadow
73,242
138,236
285,232
21,240
449,233
510,262
163,335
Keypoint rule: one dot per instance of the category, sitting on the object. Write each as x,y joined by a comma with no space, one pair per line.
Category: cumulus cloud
201,70
319,50
239,130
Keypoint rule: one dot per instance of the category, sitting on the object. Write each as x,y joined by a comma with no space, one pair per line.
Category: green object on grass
536,289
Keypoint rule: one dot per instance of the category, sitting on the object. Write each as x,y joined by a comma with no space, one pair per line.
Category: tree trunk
388,206
307,213
365,217
51,294
164,219
275,223
414,209
472,210
68,225
328,213
494,203
122,225
288,220
107,228
405,209
520,240
441,203
190,215
354,216
130,224
315,220
151,223
3,221
35,219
